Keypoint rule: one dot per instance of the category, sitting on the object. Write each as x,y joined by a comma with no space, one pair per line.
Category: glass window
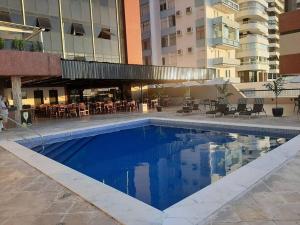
172,38
164,41
172,21
200,33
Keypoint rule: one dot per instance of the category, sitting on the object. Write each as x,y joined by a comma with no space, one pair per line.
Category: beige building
254,44
191,33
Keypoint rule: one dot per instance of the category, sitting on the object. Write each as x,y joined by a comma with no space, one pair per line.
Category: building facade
191,33
289,43
253,51
92,30
290,5
275,8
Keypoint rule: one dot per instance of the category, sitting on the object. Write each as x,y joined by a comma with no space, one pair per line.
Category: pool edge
142,213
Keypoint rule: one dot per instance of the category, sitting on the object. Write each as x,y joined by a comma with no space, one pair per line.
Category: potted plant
276,86
18,44
158,95
1,43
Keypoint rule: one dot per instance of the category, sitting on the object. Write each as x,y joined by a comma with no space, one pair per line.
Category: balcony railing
226,62
231,5
288,93
226,42
21,45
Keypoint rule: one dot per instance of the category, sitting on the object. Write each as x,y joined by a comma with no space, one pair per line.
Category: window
200,33
171,4
43,22
189,30
164,23
146,44
190,50
77,29
146,26
105,33
163,5
163,60
172,21
147,60
188,10
145,10
164,41
172,38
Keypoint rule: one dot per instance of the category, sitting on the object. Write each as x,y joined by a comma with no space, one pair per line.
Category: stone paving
29,197
273,201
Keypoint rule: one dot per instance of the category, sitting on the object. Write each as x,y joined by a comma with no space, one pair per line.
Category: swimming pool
161,164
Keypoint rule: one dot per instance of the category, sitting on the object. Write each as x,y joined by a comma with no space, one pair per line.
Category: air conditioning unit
190,50
188,10
179,52
179,32
189,30
178,13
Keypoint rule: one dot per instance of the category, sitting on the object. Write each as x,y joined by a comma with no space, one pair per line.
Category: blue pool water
160,165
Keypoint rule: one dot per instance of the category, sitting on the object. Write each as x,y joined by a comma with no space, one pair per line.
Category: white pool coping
195,209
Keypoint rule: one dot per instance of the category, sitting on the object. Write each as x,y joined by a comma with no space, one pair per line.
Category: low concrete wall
21,63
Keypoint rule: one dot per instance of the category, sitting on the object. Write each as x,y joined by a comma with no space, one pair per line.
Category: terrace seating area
83,109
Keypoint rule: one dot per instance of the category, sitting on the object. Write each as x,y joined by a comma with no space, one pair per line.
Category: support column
17,96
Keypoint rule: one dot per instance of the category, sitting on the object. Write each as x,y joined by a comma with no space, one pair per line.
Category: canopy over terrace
74,70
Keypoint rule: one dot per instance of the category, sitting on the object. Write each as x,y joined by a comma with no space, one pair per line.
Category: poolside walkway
28,197
273,201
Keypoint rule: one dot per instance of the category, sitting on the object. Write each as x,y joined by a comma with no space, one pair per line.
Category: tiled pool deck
32,198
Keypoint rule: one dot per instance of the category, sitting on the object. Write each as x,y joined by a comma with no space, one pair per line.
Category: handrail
20,125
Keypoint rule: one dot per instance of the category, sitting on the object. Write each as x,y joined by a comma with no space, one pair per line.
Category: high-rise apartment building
289,43
191,33
275,8
290,5
254,44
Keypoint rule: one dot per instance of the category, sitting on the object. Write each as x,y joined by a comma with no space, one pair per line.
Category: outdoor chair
221,108
71,110
241,107
258,107
83,111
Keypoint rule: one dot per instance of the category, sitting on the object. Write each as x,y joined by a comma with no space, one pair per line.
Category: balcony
254,27
274,45
224,20
226,6
251,13
225,43
226,62
21,45
252,38
253,66
273,36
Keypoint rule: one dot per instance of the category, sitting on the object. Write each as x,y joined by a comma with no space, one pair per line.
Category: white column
17,96
155,27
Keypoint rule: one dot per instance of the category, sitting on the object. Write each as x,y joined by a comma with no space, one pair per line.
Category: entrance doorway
53,97
38,97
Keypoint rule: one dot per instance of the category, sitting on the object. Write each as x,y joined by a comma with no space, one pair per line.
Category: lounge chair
185,109
258,107
221,108
241,107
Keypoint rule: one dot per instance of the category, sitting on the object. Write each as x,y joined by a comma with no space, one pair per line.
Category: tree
276,86
223,90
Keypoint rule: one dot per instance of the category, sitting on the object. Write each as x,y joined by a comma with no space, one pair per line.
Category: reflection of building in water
195,168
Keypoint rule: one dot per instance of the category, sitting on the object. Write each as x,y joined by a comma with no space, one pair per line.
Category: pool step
49,148
69,152
61,148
